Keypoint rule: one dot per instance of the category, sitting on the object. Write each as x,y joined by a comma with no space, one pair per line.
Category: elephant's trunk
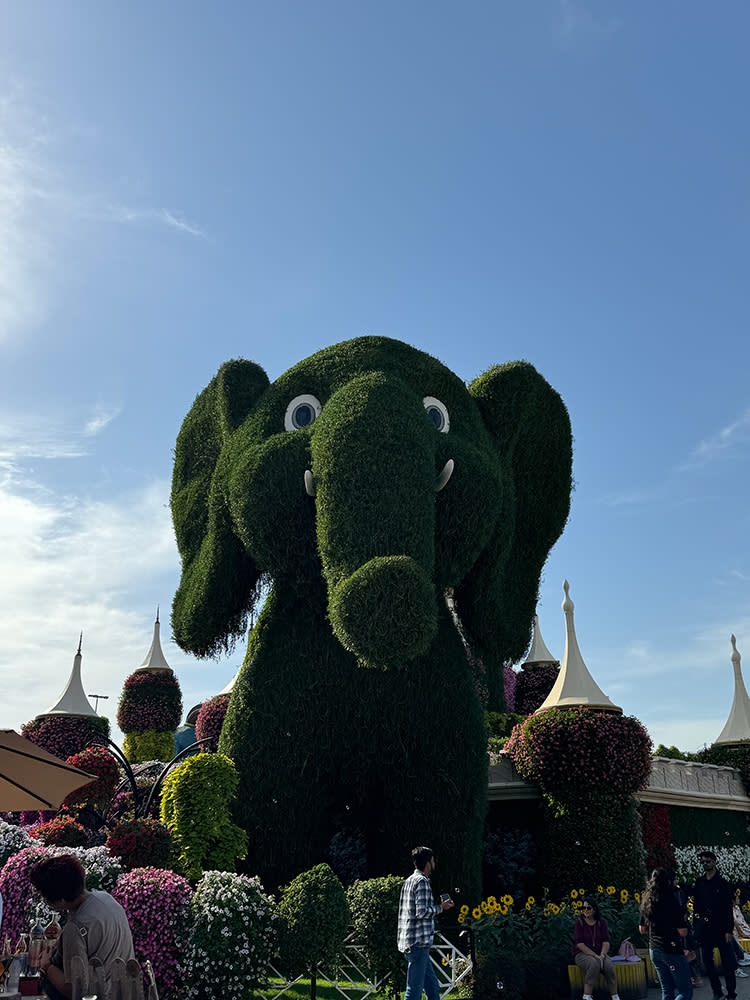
376,528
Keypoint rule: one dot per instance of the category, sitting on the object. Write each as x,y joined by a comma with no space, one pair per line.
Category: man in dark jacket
714,924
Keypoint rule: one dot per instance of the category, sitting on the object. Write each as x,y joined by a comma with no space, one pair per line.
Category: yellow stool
631,981
651,978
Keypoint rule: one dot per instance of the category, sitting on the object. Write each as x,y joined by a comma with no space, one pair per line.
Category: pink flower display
211,718
157,903
17,890
64,735
567,751
150,701
510,680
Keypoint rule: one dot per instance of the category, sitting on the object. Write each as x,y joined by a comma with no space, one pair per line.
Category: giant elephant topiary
363,485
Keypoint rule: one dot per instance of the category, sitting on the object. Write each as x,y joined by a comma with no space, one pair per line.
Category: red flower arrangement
533,685
569,751
657,836
63,735
141,843
62,831
98,794
150,701
211,718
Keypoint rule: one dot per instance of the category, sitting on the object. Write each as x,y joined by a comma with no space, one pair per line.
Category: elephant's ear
530,426
219,580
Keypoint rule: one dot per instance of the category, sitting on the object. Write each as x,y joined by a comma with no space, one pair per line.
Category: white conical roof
737,729
73,700
574,684
155,659
538,652
230,686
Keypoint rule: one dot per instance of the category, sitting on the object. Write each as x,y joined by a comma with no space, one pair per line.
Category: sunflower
530,901
461,918
600,888
464,909
476,913
503,911
574,893
507,899
637,897
610,890
623,895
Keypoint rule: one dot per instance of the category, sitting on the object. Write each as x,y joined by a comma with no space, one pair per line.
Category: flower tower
71,723
588,759
150,707
538,674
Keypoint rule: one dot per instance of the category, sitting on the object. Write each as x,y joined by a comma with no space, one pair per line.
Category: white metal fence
351,980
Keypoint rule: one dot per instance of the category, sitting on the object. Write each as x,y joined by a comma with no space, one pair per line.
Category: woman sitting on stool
592,950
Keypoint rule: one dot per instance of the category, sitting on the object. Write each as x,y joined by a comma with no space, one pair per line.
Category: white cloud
41,210
726,441
103,415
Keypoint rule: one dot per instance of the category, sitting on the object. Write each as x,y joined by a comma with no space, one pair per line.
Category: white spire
737,729
538,652
155,659
574,684
73,700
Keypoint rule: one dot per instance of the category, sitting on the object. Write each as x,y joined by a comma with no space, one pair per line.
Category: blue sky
183,183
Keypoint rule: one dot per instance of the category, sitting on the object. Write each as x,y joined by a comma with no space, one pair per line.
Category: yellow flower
503,910
496,906
485,908
444,961
476,913
623,895
461,918
610,890
507,899
464,909
581,892
637,896
555,908
528,906
491,900
530,901
574,893
600,888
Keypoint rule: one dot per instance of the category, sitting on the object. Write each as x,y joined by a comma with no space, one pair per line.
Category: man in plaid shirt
416,926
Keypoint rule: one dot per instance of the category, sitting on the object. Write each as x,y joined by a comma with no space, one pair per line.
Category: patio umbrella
31,778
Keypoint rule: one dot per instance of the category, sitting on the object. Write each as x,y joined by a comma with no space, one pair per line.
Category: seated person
592,950
97,926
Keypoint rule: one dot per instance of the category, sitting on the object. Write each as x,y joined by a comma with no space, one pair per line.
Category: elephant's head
372,465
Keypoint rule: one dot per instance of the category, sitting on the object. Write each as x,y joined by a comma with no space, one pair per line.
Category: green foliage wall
356,698
707,826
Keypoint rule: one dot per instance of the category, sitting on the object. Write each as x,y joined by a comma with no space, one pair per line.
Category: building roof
73,700
574,684
737,728
538,652
155,659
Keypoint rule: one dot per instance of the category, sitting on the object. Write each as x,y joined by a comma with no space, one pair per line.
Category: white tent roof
230,686
574,684
538,652
73,700
155,659
737,729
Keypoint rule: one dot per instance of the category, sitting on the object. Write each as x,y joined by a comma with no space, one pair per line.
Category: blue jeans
420,975
674,975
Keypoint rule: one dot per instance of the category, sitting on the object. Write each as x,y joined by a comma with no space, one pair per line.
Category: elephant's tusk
310,483
444,476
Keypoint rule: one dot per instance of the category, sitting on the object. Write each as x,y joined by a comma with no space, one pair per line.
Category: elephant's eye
438,413
301,412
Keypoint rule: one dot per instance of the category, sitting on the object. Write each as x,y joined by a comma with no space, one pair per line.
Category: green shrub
374,909
315,917
148,745
195,805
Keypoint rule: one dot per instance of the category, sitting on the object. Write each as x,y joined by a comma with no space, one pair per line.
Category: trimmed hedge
148,745
315,920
